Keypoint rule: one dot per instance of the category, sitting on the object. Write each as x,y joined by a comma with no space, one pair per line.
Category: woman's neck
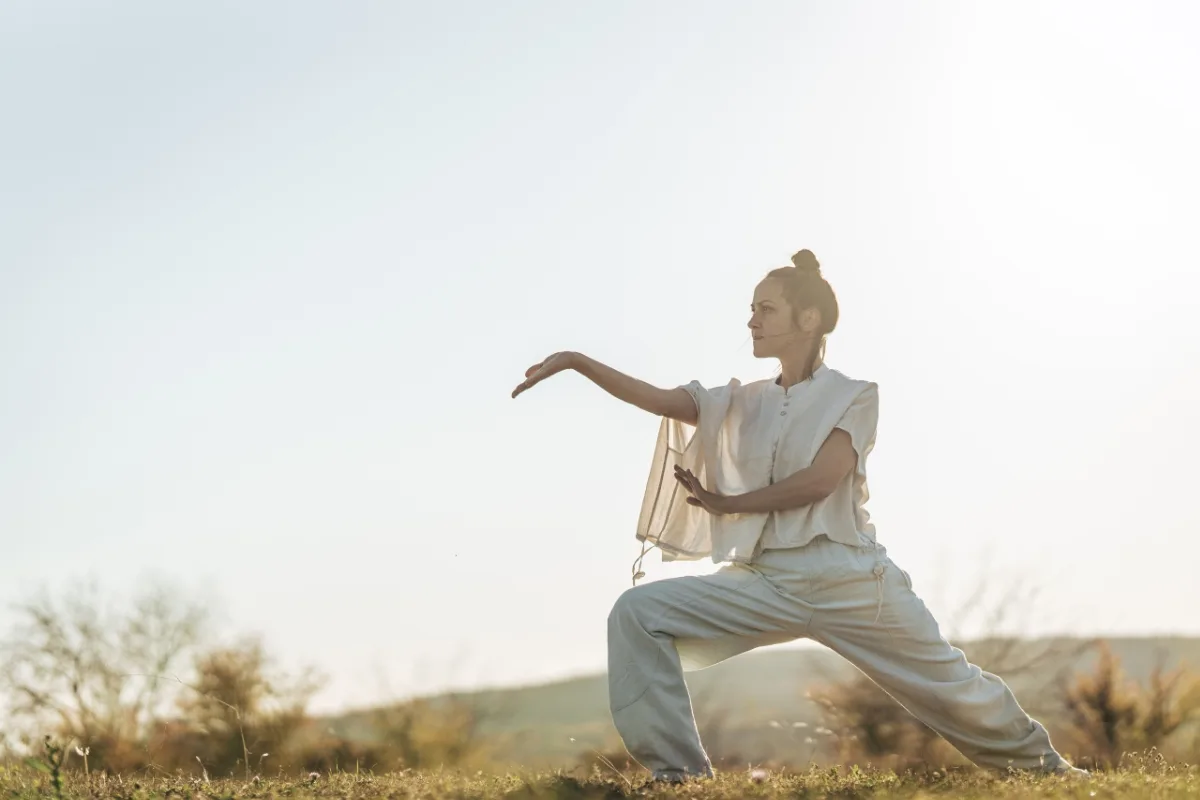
794,372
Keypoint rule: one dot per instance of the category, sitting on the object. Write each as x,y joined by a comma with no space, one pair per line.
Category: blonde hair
805,287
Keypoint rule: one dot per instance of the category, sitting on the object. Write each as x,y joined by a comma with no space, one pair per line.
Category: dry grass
1144,777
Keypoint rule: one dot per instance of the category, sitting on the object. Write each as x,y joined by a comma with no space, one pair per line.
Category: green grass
1150,779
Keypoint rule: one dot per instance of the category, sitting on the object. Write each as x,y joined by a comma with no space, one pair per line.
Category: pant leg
879,624
658,629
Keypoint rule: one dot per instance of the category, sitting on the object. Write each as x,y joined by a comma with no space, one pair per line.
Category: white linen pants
855,601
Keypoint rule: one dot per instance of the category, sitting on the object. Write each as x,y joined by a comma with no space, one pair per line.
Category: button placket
778,436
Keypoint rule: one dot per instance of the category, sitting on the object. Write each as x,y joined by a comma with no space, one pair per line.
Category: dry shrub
338,754
239,711
138,688
1108,716
422,733
869,727
85,669
105,676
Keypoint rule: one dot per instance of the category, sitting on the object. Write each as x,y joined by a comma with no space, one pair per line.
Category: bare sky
269,271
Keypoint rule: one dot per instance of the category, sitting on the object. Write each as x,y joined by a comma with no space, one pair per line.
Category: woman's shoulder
853,392
842,378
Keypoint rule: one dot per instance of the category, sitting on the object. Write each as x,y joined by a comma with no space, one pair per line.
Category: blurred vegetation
138,688
95,687
1106,715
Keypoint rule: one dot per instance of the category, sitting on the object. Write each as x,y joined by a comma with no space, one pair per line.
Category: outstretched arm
673,403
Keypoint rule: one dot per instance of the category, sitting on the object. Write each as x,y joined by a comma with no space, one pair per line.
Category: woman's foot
679,776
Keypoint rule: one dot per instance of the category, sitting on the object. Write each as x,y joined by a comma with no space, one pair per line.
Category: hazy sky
269,272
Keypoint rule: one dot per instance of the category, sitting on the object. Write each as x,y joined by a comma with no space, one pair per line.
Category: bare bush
869,727
133,685
425,733
239,709
89,673
1108,715
421,733
136,687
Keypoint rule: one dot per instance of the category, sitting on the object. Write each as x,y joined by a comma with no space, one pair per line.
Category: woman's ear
810,320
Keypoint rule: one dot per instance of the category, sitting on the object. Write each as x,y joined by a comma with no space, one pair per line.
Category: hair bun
805,261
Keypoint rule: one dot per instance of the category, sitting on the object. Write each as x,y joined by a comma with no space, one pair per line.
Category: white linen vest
746,438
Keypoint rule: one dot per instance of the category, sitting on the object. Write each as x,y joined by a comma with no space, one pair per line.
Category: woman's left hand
711,502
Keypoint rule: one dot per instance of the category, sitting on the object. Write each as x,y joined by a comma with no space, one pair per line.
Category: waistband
817,555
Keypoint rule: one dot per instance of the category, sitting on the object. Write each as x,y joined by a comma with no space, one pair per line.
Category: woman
773,485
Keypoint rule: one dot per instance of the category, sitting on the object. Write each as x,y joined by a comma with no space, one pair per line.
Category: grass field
1149,779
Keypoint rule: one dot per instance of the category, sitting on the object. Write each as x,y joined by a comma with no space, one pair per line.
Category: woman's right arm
673,403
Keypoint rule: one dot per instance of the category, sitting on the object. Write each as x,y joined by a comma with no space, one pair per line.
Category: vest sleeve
860,421
712,402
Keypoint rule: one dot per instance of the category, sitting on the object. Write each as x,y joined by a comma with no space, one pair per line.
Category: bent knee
631,606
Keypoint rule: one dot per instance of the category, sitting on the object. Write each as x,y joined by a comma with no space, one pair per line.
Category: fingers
534,380
550,359
548,366
686,477
692,484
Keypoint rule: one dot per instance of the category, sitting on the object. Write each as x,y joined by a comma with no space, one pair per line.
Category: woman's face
773,325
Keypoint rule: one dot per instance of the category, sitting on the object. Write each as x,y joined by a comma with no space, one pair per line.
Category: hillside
534,725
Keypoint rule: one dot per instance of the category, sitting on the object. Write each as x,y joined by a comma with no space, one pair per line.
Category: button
783,413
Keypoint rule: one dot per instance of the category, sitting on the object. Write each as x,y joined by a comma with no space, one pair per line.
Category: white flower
758,775
799,724
775,723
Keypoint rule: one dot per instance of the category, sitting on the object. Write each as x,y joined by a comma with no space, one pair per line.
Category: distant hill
534,725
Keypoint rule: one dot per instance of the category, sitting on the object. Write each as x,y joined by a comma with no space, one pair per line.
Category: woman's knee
631,607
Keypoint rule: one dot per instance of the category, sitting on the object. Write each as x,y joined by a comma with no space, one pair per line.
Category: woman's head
793,310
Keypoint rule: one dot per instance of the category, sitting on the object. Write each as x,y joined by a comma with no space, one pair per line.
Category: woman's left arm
835,460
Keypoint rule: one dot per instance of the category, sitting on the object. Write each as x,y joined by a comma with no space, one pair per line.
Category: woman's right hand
551,365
